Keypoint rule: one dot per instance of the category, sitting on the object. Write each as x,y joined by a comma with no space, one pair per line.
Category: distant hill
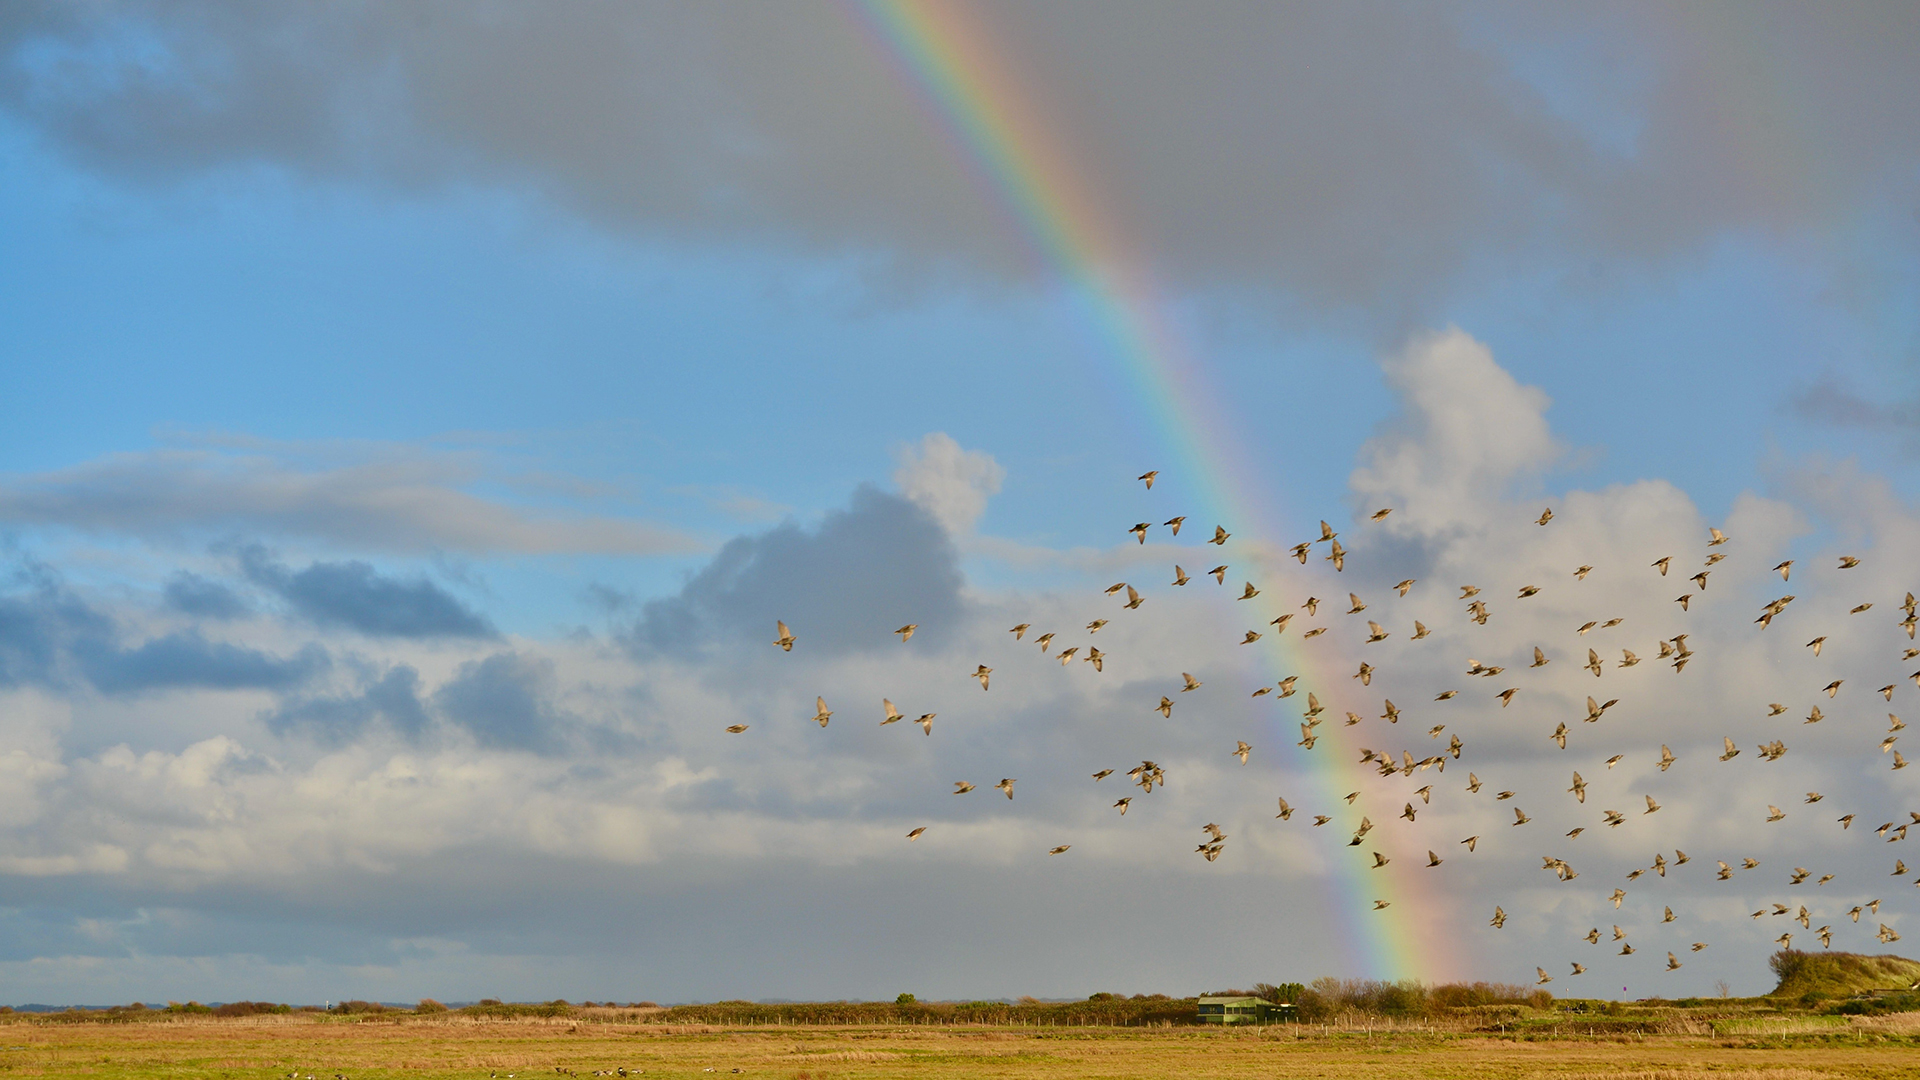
1839,974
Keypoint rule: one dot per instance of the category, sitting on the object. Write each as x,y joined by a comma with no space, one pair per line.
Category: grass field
1782,1048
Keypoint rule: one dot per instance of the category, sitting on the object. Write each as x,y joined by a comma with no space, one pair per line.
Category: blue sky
448,361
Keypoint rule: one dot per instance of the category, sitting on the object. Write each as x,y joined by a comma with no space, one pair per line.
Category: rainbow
947,60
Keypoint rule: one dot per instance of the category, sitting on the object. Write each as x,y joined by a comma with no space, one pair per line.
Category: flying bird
1219,535
983,673
1545,516
821,713
785,638
1147,477
915,834
1006,786
736,729
1175,523
1061,850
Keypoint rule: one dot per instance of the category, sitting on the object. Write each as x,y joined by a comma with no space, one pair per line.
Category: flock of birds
1673,651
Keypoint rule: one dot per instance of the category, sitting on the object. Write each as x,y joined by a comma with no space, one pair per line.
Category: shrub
905,999
428,1005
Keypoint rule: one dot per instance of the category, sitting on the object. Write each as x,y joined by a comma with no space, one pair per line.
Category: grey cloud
356,596
1839,406
38,625
393,699
1360,154
396,503
505,701
190,594
188,659
880,563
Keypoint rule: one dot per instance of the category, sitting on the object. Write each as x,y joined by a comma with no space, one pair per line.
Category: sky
415,420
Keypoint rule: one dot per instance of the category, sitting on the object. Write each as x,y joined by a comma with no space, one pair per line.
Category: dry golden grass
453,1046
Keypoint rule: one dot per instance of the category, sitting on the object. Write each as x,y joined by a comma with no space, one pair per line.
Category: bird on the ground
785,636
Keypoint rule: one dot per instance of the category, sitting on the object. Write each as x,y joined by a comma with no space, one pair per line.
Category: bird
1774,813
1061,850
1286,811
1581,572
1545,516
1102,775
1445,694
820,711
1382,905
1666,758
983,673
1219,573
1732,751
1044,640
1473,783
1134,599
1381,514
1784,569
1700,579
1241,752
1651,805
1286,685
926,722
1520,817
893,714
1662,563
1848,562
1180,576
1140,530
1094,626
1147,477
1592,936
1472,841
1528,590
1252,636
1219,535
1816,643
1815,716
1175,523
1614,760
1115,587
785,636
1617,897
1626,950
1506,696
736,729
915,834
1579,788
961,787
1544,977
1593,663
1005,785
1673,962
1420,630
1860,608
1718,538
1380,860
1775,709
1250,592
1191,683
1020,632
906,632
1404,586
1122,804
1590,624
1499,918
1683,600
1539,658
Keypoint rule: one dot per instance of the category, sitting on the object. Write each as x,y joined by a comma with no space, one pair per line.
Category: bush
192,1008
250,1008
428,1005
905,999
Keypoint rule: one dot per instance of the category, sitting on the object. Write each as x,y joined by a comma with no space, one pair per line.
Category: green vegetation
1814,977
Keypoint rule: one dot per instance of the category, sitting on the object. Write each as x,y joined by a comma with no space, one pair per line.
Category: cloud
505,701
1359,156
393,699
190,594
396,504
880,563
1466,432
951,483
355,596
186,659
